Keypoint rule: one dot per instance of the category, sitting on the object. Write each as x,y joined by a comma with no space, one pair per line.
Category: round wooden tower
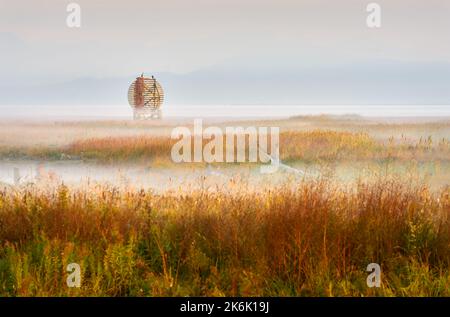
146,97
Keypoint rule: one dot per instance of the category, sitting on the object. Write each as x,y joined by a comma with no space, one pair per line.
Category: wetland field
106,195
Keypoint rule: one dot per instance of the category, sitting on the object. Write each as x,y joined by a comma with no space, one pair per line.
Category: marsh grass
314,239
307,146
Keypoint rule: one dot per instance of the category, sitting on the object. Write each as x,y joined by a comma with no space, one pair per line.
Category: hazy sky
119,38
226,51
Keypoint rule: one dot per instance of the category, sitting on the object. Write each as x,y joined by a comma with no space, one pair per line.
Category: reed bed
308,146
313,239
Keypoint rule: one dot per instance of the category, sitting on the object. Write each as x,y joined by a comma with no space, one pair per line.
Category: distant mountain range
365,83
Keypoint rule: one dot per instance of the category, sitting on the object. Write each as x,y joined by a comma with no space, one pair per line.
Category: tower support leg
146,114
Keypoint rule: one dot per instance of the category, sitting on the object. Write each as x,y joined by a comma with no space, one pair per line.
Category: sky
186,40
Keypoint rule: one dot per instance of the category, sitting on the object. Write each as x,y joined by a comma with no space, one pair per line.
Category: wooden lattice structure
146,97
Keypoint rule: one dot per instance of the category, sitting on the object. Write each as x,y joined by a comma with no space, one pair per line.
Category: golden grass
311,239
122,148
315,239
310,146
